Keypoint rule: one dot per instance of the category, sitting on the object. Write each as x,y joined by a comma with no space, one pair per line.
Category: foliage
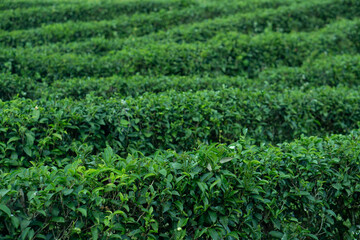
46,130
115,25
307,189
325,70
116,118
230,54
32,17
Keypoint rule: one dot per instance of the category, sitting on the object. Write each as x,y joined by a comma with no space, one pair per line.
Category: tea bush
169,120
307,189
122,26
180,119
11,4
326,70
230,54
82,11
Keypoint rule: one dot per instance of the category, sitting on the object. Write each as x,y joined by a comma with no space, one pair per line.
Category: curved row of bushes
82,11
48,129
307,189
77,88
124,26
300,17
227,53
326,70
23,4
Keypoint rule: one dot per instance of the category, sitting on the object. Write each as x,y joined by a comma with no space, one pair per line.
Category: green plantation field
179,119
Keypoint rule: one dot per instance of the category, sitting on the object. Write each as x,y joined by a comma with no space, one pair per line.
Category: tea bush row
11,4
125,26
297,17
82,11
12,86
325,70
227,53
48,130
307,189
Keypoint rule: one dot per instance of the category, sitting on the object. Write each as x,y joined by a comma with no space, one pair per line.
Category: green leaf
57,136
225,160
214,234
24,233
203,187
155,226
58,219
3,192
149,175
180,205
13,139
31,195
304,193
311,235
182,222
24,224
83,211
15,221
163,172
94,233
148,134
166,207
276,234
30,139
176,165
233,234
213,216
42,212
5,209
120,212
124,122
108,154
36,115
67,191
27,151
215,183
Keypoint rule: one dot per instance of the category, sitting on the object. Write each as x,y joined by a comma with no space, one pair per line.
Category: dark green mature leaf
5,209
276,234
214,234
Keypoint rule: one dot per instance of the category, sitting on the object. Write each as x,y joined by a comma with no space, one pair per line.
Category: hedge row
124,26
77,88
83,11
230,54
307,189
297,17
11,4
327,70
48,130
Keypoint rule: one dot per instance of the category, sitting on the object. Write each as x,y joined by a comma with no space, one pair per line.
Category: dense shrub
307,189
170,120
125,26
115,116
326,70
227,53
303,16
11,4
82,11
